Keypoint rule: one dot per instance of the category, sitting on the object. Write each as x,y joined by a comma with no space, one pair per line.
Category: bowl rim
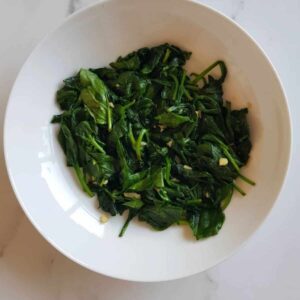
259,225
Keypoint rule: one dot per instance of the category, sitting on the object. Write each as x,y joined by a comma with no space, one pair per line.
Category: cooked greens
146,137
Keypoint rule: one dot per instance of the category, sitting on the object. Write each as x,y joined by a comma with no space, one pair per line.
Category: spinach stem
96,145
231,159
167,54
138,145
82,182
125,226
176,86
204,97
181,86
131,137
109,118
219,63
239,189
187,93
192,87
246,179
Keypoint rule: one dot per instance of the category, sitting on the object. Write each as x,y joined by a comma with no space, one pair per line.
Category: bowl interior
47,189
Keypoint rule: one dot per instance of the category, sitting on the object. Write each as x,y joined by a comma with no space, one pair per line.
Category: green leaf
67,96
85,134
70,148
154,59
206,223
161,218
224,195
171,119
153,179
129,62
68,144
241,133
95,97
107,201
97,109
135,203
100,166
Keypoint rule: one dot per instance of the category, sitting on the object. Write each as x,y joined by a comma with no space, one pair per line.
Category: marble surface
267,267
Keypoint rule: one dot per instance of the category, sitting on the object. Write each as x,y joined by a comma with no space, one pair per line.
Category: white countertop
267,267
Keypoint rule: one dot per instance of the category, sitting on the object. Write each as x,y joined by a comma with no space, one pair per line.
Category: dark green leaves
136,203
100,166
129,63
161,217
149,139
153,179
224,195
107,201
68,144
70,148
171,119
88,136
68,95
206,223
241,134
95,98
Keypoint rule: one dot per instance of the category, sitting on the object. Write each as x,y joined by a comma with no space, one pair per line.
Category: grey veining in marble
267,267
239,7
75,5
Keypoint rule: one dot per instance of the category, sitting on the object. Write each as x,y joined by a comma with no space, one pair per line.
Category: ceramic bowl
46,188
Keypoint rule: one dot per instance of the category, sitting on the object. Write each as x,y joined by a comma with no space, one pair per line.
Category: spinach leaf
241,134
135,203
95,97
86,135
148,138
171,119
70,148
162,217
129,62
67,96
206,223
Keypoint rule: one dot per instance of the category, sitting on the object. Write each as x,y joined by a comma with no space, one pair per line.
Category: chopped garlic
132,195
161,128
198,113
170,143
104,182
187,167
223,161
174,179
111,105
207,195
104,219
143,143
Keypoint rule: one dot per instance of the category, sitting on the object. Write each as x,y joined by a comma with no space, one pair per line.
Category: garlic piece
223,161
104,219
186,167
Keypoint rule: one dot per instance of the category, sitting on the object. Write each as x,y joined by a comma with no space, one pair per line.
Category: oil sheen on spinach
147,138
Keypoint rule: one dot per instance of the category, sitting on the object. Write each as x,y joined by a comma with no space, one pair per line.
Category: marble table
267,267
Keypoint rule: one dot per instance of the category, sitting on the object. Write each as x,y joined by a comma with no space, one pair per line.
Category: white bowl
46,188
